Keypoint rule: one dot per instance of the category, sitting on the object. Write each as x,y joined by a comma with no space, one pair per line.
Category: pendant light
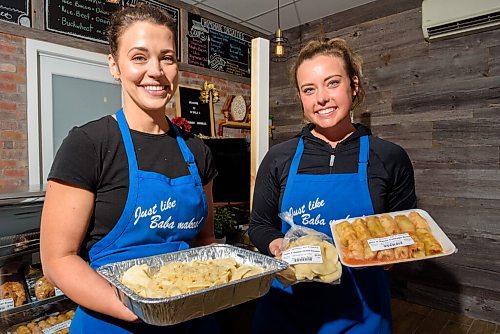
279,41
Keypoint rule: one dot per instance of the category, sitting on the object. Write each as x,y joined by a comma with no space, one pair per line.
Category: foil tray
173,310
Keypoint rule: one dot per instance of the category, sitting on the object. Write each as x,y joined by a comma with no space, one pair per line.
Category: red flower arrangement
182,123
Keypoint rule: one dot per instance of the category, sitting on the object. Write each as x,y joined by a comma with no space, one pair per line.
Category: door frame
39,153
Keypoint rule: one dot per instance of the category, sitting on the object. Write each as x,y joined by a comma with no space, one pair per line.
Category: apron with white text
161,215
361,302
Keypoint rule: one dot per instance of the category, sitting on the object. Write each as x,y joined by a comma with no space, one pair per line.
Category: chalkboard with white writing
218,47
88,19
16,11
189,106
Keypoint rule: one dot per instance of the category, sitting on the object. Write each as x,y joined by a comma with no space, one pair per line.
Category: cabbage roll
419,221
391,228
389,225
355,250
363,234
418,248
345,233
432,246
377,231
404,224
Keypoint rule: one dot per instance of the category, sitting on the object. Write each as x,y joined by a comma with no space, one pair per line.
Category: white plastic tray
448,246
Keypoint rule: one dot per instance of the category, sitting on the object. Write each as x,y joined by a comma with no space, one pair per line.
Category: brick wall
13,129
13,112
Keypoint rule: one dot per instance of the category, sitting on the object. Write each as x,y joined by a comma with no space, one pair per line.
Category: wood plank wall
441,102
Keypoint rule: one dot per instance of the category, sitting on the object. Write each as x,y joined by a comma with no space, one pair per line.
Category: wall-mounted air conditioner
444,18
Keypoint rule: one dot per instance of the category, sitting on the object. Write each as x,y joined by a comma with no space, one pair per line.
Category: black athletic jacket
390,177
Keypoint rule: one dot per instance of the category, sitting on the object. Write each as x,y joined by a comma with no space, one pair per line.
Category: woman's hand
276,247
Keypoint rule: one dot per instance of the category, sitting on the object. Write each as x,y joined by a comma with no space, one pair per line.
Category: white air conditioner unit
444,18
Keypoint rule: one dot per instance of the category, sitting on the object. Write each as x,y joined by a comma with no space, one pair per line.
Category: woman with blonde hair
351,173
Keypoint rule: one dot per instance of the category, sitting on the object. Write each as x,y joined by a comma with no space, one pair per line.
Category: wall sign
16,11
189,106
218,47
85,19
88,19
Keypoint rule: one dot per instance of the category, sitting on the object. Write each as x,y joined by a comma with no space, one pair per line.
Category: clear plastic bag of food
310,254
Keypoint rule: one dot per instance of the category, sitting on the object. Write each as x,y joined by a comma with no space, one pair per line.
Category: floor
416,319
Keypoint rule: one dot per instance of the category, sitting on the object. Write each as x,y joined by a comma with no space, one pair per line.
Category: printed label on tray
58,292
57,327
6,304
303,254
393,241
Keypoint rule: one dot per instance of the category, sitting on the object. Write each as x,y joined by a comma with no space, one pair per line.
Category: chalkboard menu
16,11
88,19
218,47
198,114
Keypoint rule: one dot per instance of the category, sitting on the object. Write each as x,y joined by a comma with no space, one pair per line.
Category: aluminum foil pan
173,310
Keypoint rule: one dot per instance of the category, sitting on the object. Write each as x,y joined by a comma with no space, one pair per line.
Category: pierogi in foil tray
177,278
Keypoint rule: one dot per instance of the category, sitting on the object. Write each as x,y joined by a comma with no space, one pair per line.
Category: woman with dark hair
128,185
351,173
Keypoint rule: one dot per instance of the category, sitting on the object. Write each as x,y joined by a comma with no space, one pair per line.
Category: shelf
32,305
238,125
235,125
30,311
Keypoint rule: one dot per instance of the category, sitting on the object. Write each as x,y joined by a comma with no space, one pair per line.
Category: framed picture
199,115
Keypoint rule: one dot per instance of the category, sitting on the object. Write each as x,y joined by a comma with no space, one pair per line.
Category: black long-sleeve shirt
390,177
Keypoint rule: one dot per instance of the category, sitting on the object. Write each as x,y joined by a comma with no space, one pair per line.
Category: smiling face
146,65
325,91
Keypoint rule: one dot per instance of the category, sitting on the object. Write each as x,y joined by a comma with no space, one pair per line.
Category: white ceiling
261,15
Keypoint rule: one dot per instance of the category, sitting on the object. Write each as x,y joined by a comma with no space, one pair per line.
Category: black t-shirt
93,157
390,177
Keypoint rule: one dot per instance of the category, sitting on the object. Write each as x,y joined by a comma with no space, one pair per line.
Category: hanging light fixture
279,41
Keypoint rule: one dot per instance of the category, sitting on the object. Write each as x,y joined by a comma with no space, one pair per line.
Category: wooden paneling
441,102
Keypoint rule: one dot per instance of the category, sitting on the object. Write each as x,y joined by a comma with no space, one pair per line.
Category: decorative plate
238,109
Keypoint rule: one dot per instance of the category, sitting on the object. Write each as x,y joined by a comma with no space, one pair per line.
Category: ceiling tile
242,9
310,10
269,21
219,13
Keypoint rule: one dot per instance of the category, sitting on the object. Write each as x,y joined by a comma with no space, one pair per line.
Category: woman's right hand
275,247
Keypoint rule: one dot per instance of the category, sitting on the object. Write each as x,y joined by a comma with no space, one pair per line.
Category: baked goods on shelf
57,323
44,289
14,290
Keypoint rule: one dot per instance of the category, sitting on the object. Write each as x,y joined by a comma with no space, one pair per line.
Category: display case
28,302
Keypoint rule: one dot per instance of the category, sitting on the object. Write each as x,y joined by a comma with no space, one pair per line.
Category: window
66,87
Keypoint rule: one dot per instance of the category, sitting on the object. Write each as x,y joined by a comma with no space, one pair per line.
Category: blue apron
361,302
161,215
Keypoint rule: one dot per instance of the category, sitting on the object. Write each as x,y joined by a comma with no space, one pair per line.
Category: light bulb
280,50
